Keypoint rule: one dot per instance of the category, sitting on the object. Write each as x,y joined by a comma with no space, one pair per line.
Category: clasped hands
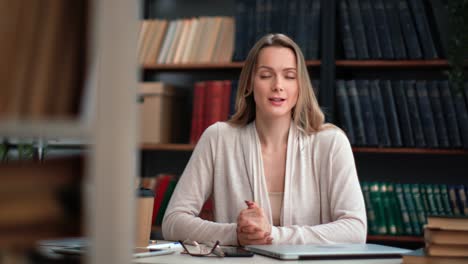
253,227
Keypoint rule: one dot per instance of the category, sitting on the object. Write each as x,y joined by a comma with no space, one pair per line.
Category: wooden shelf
167,147
207,66
392,63
383,238
410,151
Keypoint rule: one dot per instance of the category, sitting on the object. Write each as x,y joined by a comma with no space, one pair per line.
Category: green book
371,224
431,200
422,190
438,199
407,228
165,201
377,204
415,191
394,206
411,209
453,200
445,199
390,217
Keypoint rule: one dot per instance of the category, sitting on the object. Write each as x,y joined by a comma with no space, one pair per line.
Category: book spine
367,112
409,32
405,216
425,112
377,203
421,214
461,194
439,115
357,27
445,199
393,18
356,114
450,116
452,191
403,113
383,29
344,111
462,116
371,221
391,113
409,200
370,29
390,218
419,139
422,27
346,33
394,205
197,111
431,200
380,119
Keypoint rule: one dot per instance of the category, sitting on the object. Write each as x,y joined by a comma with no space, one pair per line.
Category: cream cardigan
323,203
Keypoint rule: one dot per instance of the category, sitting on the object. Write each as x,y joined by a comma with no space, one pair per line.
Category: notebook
336,251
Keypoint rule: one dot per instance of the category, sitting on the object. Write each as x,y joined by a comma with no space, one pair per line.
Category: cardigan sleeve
194,187
345,202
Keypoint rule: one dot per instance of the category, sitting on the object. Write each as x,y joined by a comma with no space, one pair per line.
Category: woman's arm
346,203
195,186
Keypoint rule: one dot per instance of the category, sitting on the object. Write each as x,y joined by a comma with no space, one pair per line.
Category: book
165,201
405,217
362,87
450,115
393,19
384,29
425,112
356,113
462,115
370,29
419,139
371,221
457,223
344,111
447,250
379,112
445,237
197,111
422,27
403,113
357,29
409,31
160,188
346,33
420,257
391,113
439,115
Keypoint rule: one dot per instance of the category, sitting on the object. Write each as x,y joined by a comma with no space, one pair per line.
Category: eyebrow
285,69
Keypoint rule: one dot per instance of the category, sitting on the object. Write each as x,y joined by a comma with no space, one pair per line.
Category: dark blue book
301,26
268,16
292,19
241,27
370,27
419,139
439,115
383,29
346,33
409,31
313,42
462,115
393,19
357,28
403,113
356,114
260,11
367,112
344,110
440,14
250,30
422,27
391,113
379,114
275,16
450,116
425,112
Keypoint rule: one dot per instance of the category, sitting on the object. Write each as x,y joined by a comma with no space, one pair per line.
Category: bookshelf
110,172
399,164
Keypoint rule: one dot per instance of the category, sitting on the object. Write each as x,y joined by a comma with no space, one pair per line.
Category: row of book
392,29
214,101
402,209
403,113
40,200
299,19
37,43
190,40
445,240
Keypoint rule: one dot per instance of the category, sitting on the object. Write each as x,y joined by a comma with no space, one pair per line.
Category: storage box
158,112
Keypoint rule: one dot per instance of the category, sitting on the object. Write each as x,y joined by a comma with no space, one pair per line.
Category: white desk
178,258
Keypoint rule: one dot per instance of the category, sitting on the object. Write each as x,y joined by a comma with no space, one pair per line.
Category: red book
161,186
197,111
214,99
226,99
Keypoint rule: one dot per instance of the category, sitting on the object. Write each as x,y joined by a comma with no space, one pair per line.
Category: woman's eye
265,76
291,77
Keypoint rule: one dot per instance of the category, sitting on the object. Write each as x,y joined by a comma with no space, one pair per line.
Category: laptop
335,251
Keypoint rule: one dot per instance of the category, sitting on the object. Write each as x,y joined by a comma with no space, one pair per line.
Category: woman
276,172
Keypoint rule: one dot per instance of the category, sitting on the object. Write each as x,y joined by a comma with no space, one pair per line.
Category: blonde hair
307,114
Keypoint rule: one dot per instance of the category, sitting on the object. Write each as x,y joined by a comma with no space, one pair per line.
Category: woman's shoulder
221,129
329,133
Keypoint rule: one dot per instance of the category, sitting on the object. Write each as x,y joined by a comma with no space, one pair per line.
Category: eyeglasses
201,250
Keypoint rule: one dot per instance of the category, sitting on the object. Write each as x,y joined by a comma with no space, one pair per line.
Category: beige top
276,202
323,202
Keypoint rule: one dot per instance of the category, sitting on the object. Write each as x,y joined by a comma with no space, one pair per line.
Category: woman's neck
273,133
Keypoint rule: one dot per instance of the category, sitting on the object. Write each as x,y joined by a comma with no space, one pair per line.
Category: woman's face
275,82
